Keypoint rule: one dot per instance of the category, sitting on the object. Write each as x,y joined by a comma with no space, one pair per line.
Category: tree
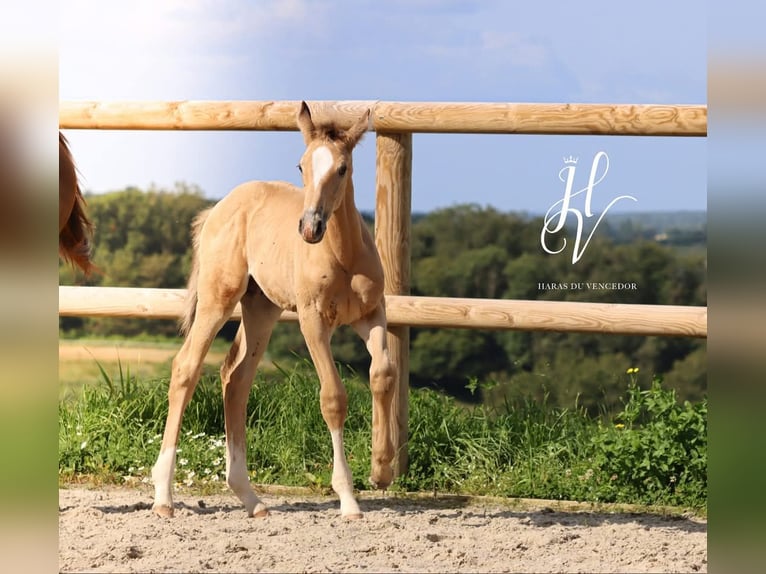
141,239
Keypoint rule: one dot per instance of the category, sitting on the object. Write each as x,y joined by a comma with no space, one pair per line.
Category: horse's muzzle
312,226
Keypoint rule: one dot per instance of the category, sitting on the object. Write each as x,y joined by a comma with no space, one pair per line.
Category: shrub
657,449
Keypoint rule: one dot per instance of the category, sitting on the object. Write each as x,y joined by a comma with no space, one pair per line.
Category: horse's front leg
383,381
334,406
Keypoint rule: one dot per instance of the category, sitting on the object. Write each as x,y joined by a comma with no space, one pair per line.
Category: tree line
142,240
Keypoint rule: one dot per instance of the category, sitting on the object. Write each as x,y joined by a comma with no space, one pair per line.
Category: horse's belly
278,292
275,281
280,299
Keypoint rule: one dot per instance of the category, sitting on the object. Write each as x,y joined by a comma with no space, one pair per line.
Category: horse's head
326,169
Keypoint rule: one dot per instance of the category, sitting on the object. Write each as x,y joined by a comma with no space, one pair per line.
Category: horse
246,250
75,229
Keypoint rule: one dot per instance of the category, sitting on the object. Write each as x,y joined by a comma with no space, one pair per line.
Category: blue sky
416,50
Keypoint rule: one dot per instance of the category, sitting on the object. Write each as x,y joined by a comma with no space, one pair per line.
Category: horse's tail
75,234
190,305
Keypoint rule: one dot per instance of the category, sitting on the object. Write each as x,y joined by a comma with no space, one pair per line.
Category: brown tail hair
75,235
190,304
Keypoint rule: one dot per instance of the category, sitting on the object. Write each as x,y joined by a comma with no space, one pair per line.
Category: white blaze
321,163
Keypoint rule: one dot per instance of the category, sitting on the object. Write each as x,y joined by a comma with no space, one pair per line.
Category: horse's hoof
163,510
262,512
355,516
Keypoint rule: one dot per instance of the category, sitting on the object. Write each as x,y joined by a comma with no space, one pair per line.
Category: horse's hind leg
259,316
383,380
215,304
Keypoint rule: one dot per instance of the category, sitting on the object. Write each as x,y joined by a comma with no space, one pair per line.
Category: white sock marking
342,482
162,476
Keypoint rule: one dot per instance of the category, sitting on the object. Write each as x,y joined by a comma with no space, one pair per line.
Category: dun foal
246,250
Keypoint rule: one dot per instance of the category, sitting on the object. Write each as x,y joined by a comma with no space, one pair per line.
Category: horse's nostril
320,228
300,226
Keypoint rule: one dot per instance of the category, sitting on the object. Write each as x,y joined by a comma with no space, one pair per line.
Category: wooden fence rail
434,312
395,122
406,117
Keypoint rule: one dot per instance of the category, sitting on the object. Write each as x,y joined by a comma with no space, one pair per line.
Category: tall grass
652,452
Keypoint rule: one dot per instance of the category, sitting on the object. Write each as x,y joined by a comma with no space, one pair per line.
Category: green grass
653,452
76,373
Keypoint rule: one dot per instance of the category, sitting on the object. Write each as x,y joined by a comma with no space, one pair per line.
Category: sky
402,50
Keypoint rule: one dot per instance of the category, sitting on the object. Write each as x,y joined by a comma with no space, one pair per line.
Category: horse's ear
305,123
355,132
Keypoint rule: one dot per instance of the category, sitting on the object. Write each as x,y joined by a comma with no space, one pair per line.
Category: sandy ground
114,530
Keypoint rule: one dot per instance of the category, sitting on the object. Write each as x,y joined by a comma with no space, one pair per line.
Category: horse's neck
344,231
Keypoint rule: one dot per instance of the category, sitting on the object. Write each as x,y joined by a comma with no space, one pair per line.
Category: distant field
80,361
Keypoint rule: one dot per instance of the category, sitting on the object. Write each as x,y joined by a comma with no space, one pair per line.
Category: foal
246,250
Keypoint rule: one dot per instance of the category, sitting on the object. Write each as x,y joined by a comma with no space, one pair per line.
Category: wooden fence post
392,238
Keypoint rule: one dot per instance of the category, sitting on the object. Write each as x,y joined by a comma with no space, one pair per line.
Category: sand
112,529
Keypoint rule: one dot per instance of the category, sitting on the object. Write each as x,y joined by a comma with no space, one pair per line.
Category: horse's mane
74,236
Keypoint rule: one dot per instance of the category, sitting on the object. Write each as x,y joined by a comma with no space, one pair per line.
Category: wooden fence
394,124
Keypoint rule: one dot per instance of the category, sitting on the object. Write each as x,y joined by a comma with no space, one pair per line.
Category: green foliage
468,251
446,356
108,426
658,448
142,240
522,447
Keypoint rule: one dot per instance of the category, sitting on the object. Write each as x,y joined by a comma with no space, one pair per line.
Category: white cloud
287,49
121,50
170,49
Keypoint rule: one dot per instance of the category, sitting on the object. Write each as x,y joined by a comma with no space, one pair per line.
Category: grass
653,452
75,374
83,361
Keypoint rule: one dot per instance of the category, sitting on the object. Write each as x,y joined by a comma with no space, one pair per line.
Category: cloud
515,49
424,50
173,49
124,50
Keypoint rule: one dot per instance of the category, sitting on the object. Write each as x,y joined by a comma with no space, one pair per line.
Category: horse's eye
300,169
342,170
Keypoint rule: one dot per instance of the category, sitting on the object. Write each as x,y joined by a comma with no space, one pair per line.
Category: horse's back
263,198
255,225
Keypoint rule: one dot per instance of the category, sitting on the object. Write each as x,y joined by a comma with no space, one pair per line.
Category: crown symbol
570,160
